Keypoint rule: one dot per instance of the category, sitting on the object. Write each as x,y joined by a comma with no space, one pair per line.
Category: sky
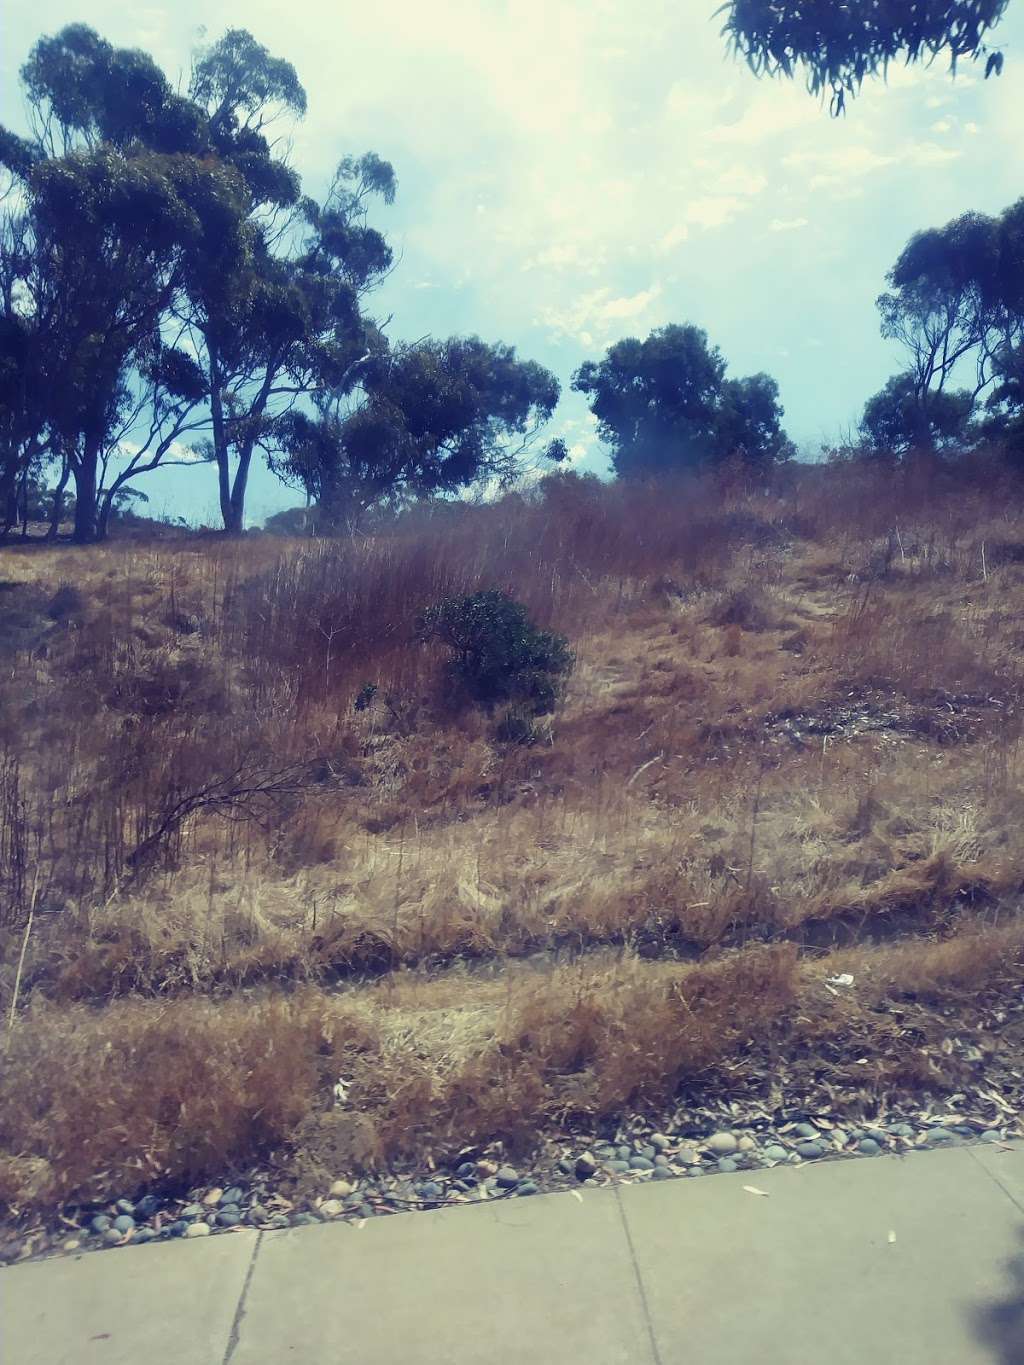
571,172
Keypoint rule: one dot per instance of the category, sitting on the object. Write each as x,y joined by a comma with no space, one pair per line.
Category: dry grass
793,729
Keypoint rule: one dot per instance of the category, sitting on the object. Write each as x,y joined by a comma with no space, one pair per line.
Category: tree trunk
57,506
85,470
234,517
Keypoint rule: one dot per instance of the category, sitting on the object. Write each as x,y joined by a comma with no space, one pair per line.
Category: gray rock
427,1189
617,1167
661,1173
990,1135
964,1129
197,1230
623,1152
177,1228
192,1211
687,1156
229,1218
806,1130
641,1163
112,1238
901,1130
567,1166
123,1223
810,1150
722,1144
838,1135
526,1187
660,1141
661,1159
726,1165
774,1152
868,1147
125,1206
936,1136
99,1224
466,1170
695,1170
141,1235
279,1220
147,1206
256,1214
234,1195
507,1177
303,1220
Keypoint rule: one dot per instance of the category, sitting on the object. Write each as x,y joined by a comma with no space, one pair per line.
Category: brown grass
793,729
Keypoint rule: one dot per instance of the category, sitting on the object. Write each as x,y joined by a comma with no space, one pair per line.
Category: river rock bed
685,1145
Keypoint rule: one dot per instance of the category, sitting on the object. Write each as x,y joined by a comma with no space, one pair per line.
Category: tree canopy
665,404
839,43
429,418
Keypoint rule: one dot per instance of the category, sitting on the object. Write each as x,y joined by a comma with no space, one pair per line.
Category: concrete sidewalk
915,1260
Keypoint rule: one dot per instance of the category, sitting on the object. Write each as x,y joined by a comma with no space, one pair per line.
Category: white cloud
674,237
942,125
787,224
714,210
590,320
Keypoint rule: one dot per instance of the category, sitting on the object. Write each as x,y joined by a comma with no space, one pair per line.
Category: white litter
843,979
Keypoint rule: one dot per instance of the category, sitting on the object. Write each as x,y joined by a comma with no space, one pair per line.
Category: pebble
617,1167
661,1173
233,1196
810,1150
641,1163
660,1141
806,1130
256,1214
342,1188
839,1138
197,1230
486,1168
774,1152
192,1211
695,1170
331,1208
303,1220
178,1228
72,1244
935,1136
687,1156
722,1144
726,1165
112,1237
990,1135
99,1224
902,1130
147,1206
125,1206
868,1147
229,1218
279,1220
527,1187
141,1235
661,1159
747,1144
432,1191
124,1223
213,1196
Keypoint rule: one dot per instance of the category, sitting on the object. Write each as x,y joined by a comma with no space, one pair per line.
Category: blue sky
575,171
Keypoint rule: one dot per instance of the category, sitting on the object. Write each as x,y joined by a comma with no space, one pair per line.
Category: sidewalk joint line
236,1322
639,1282
996,1181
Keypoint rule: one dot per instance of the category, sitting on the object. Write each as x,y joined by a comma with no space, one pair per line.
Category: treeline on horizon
170,295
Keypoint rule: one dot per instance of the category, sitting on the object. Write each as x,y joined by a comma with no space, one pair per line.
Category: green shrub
500,655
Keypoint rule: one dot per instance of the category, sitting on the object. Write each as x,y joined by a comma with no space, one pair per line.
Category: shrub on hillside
499,654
